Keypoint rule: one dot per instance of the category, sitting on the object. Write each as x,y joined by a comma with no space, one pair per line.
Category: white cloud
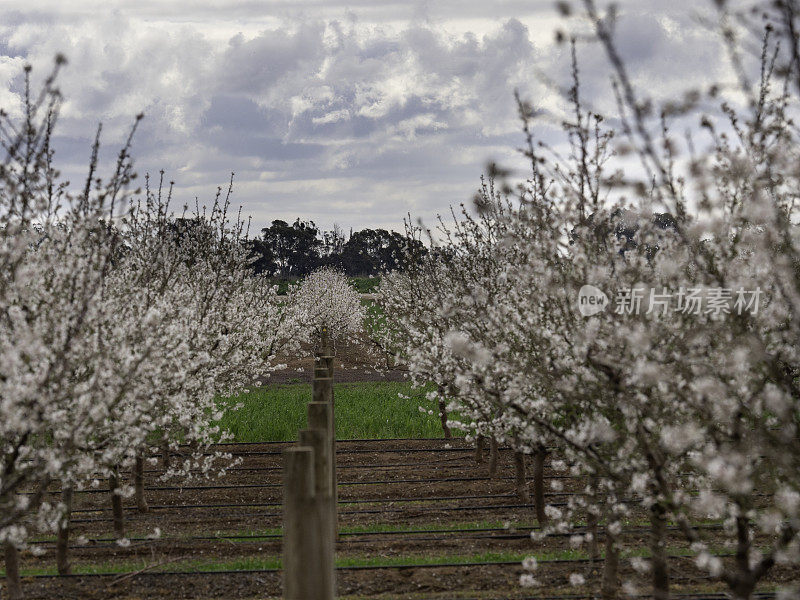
371,108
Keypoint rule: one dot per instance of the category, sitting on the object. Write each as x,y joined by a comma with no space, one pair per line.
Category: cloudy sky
350,112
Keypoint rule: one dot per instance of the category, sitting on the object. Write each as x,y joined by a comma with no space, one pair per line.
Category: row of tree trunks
63,533
520,476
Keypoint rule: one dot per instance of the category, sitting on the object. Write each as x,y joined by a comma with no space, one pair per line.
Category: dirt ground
416,484
355,361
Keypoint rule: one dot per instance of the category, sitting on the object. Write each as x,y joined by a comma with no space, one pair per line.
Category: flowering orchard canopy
660,361
116,322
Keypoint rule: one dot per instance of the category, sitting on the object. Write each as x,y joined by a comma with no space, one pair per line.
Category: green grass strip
365,410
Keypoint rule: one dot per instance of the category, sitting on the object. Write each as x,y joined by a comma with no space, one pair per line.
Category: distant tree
262,257
295,250
371,251
288,250
333,242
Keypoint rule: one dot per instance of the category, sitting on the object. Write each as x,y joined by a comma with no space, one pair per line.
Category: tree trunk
522,485
138,483
592,520
479,443
165,458
610,584
116,505
494,457
12,572
62,541
658,532
591,527
443,417
744,583
538,483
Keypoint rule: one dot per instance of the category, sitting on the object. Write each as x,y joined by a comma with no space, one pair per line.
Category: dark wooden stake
443,414
301,528
658,552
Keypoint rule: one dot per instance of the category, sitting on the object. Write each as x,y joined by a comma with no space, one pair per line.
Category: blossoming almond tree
689,412
325,298
56,251
460,281
117,326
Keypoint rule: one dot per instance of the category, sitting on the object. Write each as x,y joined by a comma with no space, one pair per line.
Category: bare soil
415,484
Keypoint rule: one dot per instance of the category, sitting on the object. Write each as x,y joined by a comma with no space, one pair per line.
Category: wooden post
13,584
302,531
165,454
326,353
593,518
326,356
609,585
323,392
320,417
658,552
318,440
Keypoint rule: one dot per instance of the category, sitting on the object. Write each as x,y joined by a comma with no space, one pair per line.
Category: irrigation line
185,507
269,504
277,502
423,509
341,501
486,533
350,568
368,482
184,488
343,483
178,488
245,486
688,596
188,507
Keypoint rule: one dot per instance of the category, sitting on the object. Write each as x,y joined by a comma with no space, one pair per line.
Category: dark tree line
288,251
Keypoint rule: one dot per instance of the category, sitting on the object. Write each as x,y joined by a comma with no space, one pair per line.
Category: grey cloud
388,109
